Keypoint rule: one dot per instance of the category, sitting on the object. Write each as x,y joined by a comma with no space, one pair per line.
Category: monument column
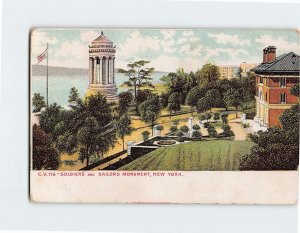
100,70
107,70
113,68
91,70
95,71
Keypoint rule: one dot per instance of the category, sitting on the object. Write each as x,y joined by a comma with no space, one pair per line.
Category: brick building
275,76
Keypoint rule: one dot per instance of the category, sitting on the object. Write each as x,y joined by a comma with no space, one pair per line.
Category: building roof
102,40
288,63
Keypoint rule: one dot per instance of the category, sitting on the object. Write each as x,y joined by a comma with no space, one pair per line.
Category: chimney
265,55
271,53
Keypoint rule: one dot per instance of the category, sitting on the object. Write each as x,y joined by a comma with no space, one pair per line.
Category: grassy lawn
218,155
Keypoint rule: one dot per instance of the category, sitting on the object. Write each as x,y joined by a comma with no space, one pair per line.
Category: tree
295,90
44,155
86,136
138,76
201,117
227,132
174,103
38,102
196,135
212,131
163,99
203,104
277,148
124,127
224,117
184,129
192,98
145,135
232,98
173,129
180,135
125,99
196,127
213,98
208,116
216,116
50,117
74,95
149,111
208,73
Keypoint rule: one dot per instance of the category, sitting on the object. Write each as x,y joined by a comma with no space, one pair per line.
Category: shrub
196,135
184,129
180,135
212,131
173,129
160,127
175,122
145,135
216,116
224,117
207,116
196,127
201,117
246,125
227,131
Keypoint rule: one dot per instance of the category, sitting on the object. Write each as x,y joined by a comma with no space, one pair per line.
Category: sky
167,49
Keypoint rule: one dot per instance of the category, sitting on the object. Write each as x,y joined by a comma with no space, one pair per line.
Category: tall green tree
138,76
232,98
125,99
38,102
149,111
193,97
124,128
208,73
44,155
74,95
174,103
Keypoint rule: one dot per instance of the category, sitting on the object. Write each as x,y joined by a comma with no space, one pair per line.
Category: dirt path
237,128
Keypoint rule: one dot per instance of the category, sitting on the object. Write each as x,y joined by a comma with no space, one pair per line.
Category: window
261,79
266,96
282,98
282,82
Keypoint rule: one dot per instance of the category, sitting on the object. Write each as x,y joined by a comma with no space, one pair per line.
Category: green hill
219,155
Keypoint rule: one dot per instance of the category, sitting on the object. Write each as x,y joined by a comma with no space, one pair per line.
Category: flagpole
47,78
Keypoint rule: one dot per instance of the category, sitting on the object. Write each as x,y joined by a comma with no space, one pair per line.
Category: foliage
50,117
295,90
74,95
196,134
184,129
44,155
277,148
145,135
149,111
216,116
138,76
163,99
246,125
224,117
38,102
201,117
174,103
192,97
203,105
196,127
180,135
208,73
232,98
160,127
124,128
208,116
227,132
125,99
212,131
173,129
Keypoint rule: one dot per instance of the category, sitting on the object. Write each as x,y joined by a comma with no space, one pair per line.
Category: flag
42,56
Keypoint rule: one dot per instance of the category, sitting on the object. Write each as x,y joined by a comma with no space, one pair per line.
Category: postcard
164,115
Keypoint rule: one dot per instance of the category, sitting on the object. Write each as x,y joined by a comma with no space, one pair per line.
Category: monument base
108,90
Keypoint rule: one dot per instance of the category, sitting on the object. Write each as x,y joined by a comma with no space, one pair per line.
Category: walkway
237,128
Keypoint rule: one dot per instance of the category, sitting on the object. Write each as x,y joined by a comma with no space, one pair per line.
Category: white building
102,68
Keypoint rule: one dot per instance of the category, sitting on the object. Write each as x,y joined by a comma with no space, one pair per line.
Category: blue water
59,86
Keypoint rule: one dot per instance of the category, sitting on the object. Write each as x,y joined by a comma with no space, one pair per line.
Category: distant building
228,72
102,68
245,68
274,78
